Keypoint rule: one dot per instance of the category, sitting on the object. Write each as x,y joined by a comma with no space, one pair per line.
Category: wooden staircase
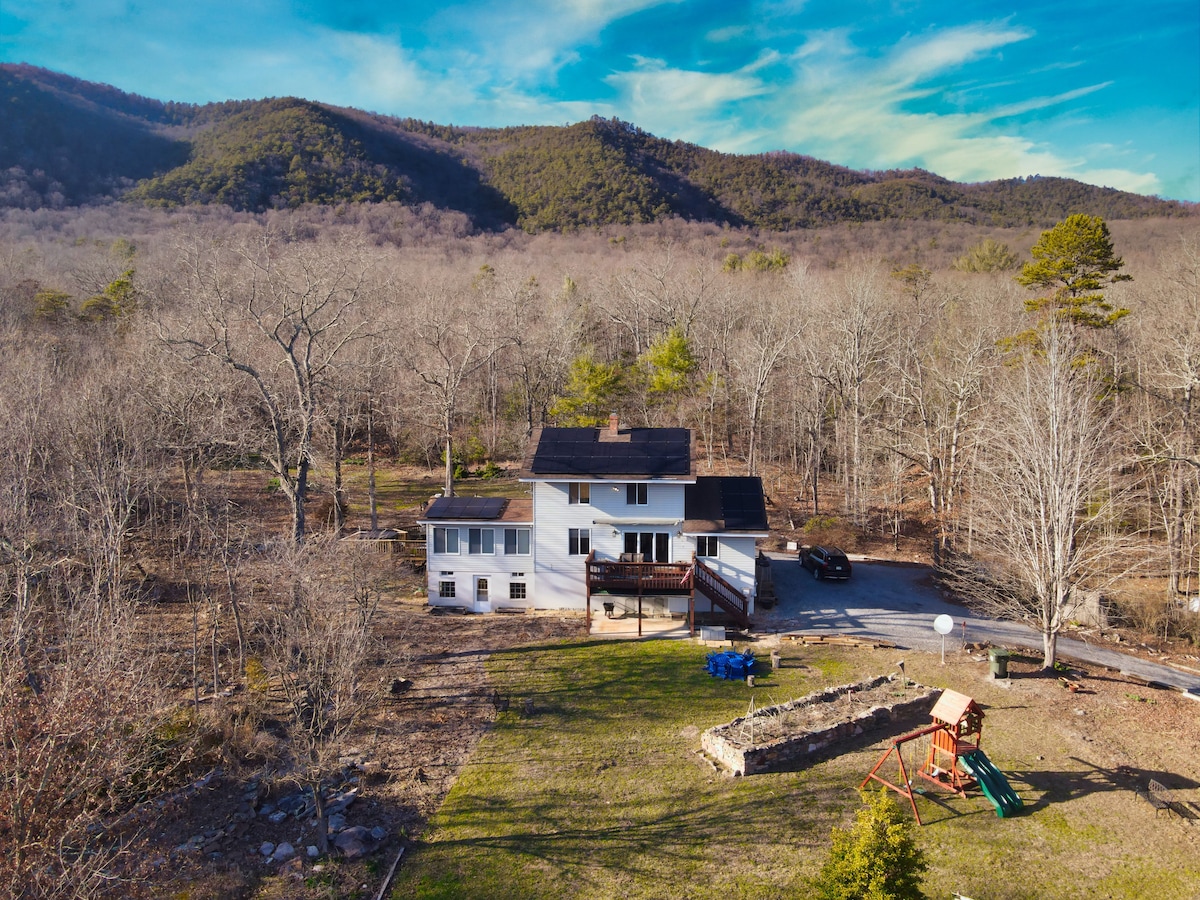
721,593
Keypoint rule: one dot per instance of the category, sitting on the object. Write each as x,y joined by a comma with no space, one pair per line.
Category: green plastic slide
993,783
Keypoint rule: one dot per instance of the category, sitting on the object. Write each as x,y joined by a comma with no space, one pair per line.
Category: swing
920,739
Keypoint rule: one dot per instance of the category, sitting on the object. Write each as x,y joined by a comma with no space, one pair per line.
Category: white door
483,602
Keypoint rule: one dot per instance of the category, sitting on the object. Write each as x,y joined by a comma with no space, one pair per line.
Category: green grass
601,793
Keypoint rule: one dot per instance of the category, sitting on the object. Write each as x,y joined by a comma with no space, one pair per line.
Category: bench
1162,798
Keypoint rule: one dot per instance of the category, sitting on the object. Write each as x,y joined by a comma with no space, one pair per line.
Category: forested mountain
67,142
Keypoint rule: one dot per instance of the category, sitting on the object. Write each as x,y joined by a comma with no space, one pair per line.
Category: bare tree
316,639
1169,433
770,325
279,314
1044,499
944,348
445,345
857,328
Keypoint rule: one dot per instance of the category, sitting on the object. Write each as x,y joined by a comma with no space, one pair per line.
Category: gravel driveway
899,603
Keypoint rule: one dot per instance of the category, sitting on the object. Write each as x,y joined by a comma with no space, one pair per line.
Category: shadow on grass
627,840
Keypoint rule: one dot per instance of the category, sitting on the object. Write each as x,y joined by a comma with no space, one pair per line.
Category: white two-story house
617,519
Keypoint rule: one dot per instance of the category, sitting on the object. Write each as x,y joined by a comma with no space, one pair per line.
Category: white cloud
1016,109
844,106
919,58
687,104
598,13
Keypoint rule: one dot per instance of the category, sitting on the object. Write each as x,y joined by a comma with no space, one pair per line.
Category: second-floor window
706,546
579,492
445,540
579,541
637,494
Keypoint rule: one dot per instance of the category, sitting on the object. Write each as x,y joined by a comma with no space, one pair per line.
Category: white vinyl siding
559,581
736,563
475,553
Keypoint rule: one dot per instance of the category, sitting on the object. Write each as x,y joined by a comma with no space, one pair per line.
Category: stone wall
796,732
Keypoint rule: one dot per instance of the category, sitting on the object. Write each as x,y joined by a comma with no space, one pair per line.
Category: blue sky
1108,93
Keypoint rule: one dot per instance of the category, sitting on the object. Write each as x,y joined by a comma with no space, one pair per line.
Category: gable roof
649,453
724,503
953,706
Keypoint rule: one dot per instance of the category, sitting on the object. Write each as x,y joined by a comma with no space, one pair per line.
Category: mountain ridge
68,142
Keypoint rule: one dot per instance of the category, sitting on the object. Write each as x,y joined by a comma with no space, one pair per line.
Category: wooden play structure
951,756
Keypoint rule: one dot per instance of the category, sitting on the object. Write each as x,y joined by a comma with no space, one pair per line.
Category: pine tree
1074,261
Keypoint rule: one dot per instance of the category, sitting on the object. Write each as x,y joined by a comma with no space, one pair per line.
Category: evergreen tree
592,389
875,858
989,255
1073,262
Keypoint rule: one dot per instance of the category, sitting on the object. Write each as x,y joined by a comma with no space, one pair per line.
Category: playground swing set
952,758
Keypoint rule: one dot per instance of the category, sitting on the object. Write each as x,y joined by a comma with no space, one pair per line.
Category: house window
579,492
516,590
579,541
445,540
516,541
652,546
446,590
481,540
706,546
636,494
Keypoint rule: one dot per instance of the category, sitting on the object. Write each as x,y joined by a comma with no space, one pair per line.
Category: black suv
825,562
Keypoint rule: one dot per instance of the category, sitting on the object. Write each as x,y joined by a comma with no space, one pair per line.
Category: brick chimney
612,433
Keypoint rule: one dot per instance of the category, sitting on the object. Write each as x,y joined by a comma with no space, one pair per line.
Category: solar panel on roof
578,451
738,500
466,508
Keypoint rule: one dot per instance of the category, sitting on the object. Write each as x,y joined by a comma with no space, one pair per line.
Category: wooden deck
652,579
639,577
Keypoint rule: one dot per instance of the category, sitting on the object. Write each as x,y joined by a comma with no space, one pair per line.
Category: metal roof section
716,504
627,453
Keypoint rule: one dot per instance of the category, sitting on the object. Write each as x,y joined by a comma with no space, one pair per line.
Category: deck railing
638,577
654,578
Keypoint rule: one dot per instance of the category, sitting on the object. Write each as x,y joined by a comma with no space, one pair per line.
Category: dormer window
637,494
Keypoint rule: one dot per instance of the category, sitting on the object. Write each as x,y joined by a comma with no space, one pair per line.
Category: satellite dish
943,624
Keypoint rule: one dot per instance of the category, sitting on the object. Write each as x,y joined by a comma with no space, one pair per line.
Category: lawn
600,792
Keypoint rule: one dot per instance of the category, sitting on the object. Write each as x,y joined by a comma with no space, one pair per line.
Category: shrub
875,858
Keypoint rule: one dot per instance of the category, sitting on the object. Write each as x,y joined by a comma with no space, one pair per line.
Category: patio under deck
623,627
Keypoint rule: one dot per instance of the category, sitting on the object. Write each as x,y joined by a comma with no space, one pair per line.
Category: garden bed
799,731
